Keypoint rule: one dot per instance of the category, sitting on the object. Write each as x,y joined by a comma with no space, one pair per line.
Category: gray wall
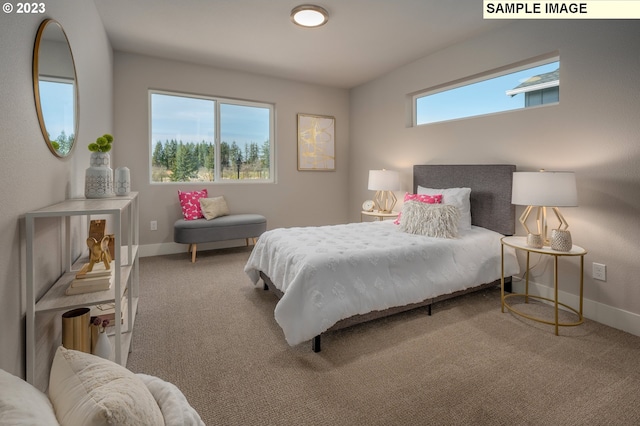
297,198
31,176
593,131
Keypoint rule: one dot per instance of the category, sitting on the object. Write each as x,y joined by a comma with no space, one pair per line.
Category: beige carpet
207,329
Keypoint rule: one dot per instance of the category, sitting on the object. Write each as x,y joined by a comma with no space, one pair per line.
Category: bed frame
491,208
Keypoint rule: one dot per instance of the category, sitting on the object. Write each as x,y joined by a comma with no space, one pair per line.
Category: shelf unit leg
31,305
555,288
501,277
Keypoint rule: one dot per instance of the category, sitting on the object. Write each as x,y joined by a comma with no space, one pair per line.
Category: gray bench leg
194,247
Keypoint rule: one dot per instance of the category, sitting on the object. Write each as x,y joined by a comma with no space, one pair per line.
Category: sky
192,119
56,101
484,97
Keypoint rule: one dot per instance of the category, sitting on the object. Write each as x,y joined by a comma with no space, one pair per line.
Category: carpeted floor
207,329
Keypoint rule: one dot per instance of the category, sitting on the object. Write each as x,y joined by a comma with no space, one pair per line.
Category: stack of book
98,279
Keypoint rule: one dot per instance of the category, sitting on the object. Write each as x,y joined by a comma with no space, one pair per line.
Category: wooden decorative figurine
99,252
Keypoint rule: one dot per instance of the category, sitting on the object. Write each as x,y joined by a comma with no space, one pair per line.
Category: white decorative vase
98,180
535,240
123,181
103,346
561,240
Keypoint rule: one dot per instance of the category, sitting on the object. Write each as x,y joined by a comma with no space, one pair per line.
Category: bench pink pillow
190,203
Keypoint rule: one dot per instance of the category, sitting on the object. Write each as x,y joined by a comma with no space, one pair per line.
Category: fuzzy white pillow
23,404
214,207
459,197
431,220
87,390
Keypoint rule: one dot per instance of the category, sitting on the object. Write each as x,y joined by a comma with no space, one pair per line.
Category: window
204,139
57,103
521,87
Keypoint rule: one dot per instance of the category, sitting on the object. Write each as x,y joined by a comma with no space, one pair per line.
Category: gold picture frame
316,142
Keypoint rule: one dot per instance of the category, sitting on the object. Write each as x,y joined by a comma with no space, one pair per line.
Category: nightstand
378,215
520,243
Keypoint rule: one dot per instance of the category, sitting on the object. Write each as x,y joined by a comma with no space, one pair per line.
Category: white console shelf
123,212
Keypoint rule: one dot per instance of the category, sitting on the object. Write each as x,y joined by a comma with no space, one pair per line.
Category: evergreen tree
210,160
192,157
64,142
170,152
253,155
265,155
159,158
235,153
225,154
185,165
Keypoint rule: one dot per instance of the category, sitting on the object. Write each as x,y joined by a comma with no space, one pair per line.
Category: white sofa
87,390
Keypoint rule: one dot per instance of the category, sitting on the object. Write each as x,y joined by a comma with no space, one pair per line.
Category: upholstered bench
223,228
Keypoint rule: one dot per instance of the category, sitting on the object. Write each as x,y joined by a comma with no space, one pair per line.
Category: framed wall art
316,142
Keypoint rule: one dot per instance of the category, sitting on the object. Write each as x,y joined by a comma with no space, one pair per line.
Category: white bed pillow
87,390
432,220
23,404
458,197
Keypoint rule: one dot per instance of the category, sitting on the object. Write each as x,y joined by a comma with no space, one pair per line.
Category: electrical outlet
154,225
599,271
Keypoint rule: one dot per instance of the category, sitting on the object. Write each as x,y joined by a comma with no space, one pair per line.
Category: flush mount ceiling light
309,16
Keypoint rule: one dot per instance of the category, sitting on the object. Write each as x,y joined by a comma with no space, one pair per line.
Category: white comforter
329,273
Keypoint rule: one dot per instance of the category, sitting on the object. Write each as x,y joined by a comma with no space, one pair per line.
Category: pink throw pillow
190,203
423,198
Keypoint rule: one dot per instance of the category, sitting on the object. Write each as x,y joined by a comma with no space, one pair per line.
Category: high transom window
524,86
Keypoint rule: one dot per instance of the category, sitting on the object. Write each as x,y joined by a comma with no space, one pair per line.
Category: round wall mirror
55,88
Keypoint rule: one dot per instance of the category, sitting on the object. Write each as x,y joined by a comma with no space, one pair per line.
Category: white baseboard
596,311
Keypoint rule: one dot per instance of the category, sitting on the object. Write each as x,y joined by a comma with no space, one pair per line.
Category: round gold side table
520,243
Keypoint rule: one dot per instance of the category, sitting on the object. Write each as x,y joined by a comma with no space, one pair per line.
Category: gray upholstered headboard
490,186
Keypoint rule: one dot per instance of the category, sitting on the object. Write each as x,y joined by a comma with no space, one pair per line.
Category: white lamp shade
547,189
384,180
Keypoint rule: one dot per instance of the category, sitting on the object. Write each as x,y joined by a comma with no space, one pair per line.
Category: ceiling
363,39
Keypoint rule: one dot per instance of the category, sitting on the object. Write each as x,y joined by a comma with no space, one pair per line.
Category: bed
331,277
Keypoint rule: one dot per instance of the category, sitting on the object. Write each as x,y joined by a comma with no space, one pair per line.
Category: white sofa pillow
458,197
23,404
87,390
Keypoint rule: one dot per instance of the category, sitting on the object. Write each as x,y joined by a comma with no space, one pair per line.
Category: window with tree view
203,139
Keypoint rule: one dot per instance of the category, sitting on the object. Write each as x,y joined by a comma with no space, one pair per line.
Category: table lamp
384,182
545,189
